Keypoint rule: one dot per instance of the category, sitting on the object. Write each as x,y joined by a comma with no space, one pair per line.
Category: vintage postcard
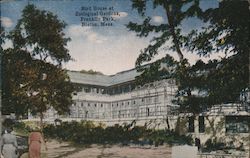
125,78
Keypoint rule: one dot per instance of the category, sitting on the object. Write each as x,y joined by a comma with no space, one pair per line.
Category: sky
108,49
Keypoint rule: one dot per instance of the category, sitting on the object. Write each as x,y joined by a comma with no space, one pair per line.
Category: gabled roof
89,79
102,80
107,80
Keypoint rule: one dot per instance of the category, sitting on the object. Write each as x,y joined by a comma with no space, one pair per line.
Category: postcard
125,78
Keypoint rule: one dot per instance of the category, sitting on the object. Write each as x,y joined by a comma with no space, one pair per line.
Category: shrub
212,145
86,132
21,128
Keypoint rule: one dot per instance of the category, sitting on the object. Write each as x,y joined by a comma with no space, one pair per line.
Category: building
116,99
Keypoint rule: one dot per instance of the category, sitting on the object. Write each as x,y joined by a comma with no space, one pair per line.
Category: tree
170,31
201,85
2,37
218,81
155,71
223,80
15,97
37,81
91,72
176,12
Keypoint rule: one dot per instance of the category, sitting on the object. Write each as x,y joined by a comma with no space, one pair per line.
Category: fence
217,155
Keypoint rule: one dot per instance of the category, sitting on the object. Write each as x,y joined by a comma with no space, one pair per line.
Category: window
149,100
86,114
82,104
156,99
201,124
148,112
101,105
87,90
237,124
191,124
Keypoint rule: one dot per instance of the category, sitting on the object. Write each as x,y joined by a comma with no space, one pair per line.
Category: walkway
64,150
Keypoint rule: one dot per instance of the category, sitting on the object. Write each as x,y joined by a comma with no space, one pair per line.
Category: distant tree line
92,72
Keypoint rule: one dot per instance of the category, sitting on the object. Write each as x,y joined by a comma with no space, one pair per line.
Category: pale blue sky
106,49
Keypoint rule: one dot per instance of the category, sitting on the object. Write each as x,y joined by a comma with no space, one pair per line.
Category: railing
229,108
217,155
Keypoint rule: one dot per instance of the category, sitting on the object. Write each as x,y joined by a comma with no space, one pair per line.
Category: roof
102,80
106,80
90,79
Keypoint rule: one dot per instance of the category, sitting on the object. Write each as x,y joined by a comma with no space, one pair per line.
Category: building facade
116,99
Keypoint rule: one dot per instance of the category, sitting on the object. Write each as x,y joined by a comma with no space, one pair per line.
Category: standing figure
198,143
9,144
35,141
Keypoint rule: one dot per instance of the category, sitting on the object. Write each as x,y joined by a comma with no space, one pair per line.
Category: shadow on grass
102,152
78,148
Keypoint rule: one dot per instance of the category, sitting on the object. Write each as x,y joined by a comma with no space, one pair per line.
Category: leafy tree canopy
176,12
36,82
203,84
223,80
41,32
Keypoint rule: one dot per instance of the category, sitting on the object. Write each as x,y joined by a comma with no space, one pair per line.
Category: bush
21,128
212,145
86,132
170,137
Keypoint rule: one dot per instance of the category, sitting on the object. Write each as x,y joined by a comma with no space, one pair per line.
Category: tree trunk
41,121
168,125
172,30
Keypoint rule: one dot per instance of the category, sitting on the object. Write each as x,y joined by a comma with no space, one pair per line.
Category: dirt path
64,150
55,150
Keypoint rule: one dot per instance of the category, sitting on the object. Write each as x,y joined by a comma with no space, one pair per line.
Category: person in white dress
9,145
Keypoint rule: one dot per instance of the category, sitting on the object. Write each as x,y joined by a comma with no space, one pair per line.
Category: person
198,143
35,141
9,144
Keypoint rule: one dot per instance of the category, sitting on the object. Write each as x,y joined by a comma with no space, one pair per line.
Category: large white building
116,99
